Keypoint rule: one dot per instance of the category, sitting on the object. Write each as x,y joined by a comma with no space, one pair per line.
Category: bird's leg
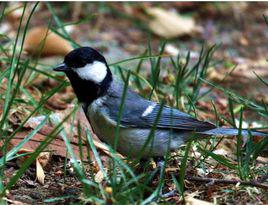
160,162
160,165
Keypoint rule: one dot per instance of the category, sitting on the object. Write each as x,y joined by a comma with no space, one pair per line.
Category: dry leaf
14,202
168,24
171,49
103,147
33,122
43,158
40,40
40,174
21,160
5,28
41,161
14,12
263,160
18,113
190,200
57,146
99,176
215,75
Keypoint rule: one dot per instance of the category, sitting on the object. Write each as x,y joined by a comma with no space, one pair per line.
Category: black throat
86,90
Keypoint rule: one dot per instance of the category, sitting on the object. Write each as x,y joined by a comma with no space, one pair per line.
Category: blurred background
123,30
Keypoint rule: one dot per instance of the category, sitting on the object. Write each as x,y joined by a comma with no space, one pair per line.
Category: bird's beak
62,68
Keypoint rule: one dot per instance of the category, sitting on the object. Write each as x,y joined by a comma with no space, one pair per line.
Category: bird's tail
233,131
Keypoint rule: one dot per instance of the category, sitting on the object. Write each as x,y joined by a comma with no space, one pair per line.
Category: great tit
100,94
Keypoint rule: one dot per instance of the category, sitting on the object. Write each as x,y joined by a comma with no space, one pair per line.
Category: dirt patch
28,190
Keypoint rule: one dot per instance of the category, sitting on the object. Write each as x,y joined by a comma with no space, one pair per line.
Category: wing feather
135,106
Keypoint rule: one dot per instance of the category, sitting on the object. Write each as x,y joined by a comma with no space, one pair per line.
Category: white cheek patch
148,110
95,72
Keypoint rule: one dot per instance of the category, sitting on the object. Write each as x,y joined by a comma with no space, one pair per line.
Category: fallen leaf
40,174
33,122
56,103
14,13
244,72
171,49
21,160
243,41
43,158
169,24
216,75
190,200
5,28
221,151
103,147
14,202
44,42
41,161
57,146
18,113
99,176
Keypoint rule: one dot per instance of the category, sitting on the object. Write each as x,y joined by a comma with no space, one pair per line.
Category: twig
227,181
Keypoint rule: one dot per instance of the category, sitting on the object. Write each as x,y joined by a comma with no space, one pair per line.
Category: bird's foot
169,194
160,164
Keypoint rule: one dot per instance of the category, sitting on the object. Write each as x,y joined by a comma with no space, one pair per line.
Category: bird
100,94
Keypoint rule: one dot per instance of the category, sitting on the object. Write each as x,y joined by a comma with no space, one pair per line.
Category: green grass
127,186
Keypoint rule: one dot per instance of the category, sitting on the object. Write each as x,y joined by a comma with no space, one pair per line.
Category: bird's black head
80,57
88,73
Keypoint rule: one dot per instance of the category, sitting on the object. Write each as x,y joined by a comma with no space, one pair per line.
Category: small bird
100,94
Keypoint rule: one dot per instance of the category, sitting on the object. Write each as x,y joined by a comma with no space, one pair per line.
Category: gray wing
136,113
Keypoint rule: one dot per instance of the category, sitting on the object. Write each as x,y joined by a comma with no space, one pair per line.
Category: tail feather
232,131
